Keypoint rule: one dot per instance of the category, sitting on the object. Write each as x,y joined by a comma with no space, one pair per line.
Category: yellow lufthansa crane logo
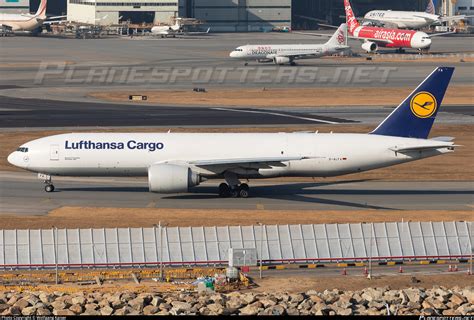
423,105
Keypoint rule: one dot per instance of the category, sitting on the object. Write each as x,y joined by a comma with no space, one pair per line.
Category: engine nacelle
171,178
370,46
281,60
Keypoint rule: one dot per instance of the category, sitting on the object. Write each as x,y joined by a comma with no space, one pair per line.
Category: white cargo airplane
284,54
175,162
24,22
408,19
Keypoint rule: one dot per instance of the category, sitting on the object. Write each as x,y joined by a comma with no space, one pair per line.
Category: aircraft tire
49,188
224,190
244,193
234,193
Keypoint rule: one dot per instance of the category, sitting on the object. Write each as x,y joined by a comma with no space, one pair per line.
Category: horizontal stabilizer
423,148
443,139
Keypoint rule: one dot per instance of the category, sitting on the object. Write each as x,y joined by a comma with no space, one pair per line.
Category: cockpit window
22,149
238,49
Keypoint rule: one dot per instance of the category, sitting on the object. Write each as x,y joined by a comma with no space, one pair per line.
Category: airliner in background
175,162
409,19
375,37
288,53
24,22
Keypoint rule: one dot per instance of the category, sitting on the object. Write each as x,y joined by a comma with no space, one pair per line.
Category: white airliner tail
430,8
339,37
41,12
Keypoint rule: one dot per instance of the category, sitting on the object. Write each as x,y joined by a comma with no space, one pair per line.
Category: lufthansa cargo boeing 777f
175,162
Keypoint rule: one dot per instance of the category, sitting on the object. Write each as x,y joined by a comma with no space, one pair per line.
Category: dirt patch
454,166
79,217
275,283
281,97
296,284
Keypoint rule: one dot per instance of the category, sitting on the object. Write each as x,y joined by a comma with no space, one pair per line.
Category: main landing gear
233,188
226,191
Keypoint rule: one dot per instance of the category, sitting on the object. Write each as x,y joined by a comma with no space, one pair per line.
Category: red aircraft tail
351,20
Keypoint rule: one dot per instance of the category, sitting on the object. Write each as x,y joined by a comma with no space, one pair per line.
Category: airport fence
208,246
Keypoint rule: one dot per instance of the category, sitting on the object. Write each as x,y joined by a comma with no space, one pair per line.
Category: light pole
261,243
55,243
369,276
160,227
161,249
472,247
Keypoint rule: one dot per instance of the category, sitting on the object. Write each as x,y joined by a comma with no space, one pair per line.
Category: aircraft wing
461,17
6,26
244,162
55,22
348,36
441,34
385,41
296,55
197,32
313,34
378,23
56,17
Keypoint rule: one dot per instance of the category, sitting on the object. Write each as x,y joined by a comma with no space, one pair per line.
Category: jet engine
369,46
171,178
281,60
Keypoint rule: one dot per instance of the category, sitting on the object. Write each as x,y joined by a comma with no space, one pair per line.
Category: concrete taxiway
34,113
69,69
23,194
29,113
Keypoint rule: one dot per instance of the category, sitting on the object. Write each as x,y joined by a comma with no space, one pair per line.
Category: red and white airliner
375,37
24,22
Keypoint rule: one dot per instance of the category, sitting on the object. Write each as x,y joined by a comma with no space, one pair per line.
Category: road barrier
310,245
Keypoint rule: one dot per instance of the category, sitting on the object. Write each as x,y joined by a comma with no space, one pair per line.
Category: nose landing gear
49,187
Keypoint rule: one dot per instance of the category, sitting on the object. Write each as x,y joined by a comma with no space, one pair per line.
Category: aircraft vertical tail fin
41,12
351,20
415,116
339,37
430,8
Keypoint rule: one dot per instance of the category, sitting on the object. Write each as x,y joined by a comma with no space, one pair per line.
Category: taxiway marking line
276,114
152,204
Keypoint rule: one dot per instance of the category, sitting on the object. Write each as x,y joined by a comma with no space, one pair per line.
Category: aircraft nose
12,159
18,159
233,54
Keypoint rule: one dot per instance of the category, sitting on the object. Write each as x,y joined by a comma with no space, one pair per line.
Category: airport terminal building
230,15
239,15
109,12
